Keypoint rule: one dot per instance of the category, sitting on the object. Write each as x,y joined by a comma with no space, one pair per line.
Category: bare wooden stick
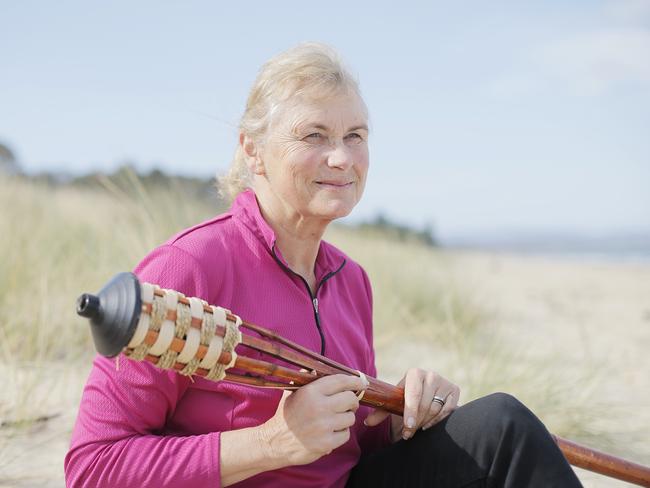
284,353
603,463
311,354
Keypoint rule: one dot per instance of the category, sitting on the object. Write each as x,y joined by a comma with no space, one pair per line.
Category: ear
252,155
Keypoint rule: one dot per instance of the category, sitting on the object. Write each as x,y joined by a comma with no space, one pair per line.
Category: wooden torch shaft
250,365
602,463
379,394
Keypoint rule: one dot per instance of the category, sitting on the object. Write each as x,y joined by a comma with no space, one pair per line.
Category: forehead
336,113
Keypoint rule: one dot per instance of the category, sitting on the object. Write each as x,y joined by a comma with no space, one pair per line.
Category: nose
340,156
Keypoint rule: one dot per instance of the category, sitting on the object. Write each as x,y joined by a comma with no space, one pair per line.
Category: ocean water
615,248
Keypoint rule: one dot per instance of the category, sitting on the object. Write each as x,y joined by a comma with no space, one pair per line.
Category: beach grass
58,241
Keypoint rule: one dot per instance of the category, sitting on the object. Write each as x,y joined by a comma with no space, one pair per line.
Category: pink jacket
141,426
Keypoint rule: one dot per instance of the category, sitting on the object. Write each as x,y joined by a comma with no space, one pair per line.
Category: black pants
494,441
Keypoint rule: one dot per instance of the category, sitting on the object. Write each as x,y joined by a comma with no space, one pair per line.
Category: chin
336,210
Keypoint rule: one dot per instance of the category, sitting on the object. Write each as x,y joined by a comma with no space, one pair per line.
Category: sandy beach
580,319
583,319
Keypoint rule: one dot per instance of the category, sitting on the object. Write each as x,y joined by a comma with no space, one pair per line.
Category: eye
354,137
315,137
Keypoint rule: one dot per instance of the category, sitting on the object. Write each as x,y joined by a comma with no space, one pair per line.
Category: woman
301,163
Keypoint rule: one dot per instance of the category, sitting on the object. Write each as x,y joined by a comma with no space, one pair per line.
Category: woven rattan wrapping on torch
208,334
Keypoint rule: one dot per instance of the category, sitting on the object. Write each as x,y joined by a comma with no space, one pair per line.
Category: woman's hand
420,409
314,420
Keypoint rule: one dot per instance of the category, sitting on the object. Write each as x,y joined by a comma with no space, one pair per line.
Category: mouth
334,184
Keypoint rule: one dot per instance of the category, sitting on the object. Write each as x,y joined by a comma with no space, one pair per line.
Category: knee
502,410
504,405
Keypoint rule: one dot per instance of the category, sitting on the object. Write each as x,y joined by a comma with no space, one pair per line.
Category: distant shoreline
611,247
572,255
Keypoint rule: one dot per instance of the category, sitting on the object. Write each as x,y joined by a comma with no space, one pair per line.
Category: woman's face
315,158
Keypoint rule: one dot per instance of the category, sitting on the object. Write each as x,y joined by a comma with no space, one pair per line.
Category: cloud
587,64
596,62
614,54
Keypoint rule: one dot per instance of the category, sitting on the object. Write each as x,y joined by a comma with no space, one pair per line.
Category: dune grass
427,314
59,241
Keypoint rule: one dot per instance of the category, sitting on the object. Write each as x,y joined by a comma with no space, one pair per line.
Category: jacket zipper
313,296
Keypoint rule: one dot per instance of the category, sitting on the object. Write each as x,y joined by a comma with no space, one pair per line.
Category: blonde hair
308,71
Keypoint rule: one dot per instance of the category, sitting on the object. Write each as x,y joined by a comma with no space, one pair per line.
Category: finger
443,389
342,421
339,438
412,393
451,403
430,388
436,408
343,402
336,383
376,417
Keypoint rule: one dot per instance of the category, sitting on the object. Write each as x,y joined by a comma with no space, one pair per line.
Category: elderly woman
301,163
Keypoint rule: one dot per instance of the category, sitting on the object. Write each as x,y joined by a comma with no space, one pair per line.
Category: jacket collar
246,209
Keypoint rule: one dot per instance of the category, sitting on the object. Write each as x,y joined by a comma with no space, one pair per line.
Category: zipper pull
315,302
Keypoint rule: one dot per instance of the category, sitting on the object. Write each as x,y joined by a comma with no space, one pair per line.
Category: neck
297,238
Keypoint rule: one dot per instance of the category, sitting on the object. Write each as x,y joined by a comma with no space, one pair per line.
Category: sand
583,315
577,317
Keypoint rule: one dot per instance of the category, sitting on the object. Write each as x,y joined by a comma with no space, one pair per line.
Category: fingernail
410,422
365,422
406,436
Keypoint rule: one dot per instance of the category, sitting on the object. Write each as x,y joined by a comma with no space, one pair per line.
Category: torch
192,337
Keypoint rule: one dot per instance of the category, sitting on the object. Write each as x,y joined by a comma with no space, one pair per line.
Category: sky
486,117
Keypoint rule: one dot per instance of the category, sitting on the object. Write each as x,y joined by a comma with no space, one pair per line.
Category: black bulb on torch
113,313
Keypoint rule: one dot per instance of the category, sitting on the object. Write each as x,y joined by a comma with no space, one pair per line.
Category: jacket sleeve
118,436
